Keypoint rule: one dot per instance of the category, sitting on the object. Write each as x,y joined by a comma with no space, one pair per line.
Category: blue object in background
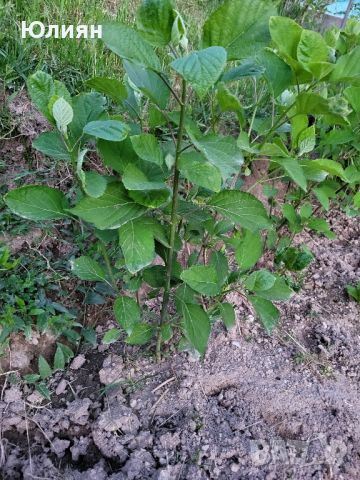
339,8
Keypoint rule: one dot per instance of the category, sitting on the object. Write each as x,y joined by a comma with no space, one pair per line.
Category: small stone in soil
58,446
60,389
112,369
119,417
78,362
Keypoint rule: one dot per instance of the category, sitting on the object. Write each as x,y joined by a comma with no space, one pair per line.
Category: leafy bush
172,185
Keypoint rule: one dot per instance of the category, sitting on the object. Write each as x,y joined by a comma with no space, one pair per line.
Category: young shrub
177,183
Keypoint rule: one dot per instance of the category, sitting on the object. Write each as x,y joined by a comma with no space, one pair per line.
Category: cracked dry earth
257,407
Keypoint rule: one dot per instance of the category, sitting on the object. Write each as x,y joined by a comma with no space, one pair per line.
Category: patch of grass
24,303
72,60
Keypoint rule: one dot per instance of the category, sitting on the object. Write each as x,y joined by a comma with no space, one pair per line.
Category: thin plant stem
255,109
108,266
164,79
173,223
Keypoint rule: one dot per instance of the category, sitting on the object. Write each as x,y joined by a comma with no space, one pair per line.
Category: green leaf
330,166
280,291
306,140
219,261
192,213
151,198
338,136
111,336
240,26
286,34
111,87
68,353
178,32
63,114
320,69
320,225
44,368
155,276
352,95
292,217
201,69
117,155
156,118
227,314
52,145
36,202
59,359
147,148
273,150
166,332
184,294
148,83
198,170
269,191
229,102
275,71
222,152
137,244
312,48
259,281
89,335
356,200
331,36
111,130
41,88
311,103
242,208
322,194
128,44
306,211
298,124
87,269
87,107
295,259
141,334
196,325
158,231
248,68
127,313
144,191
154,20
293,168
31,378
202,279
354,292
268,313
347,68
312,172
43,390
94,184
248,249
109,211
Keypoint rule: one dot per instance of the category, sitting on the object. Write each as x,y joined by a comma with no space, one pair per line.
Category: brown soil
278,407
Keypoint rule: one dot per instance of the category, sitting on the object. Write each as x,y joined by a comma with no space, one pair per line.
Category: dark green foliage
175,180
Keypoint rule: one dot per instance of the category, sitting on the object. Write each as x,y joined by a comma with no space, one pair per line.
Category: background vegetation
66,59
